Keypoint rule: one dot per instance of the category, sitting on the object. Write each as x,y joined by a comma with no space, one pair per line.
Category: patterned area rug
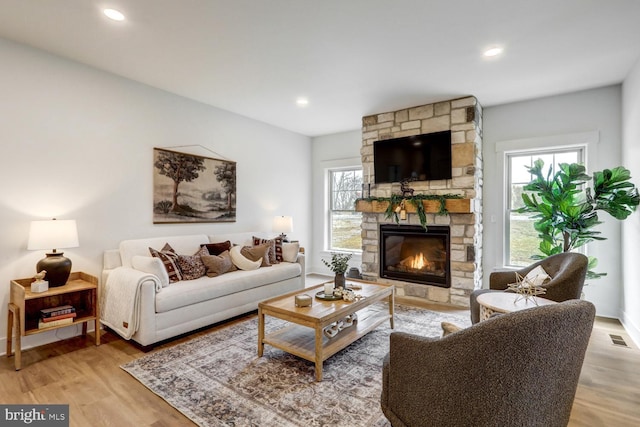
218,380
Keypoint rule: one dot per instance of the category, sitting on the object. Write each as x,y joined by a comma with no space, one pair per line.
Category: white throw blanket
120,300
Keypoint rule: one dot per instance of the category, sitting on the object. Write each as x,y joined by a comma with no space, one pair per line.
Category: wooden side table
80,291
505,302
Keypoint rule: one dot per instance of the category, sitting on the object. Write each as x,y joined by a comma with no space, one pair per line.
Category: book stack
56,316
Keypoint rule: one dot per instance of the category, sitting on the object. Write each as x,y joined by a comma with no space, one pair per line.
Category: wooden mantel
430,206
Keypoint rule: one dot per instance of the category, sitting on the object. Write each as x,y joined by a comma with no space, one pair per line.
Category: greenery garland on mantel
397,200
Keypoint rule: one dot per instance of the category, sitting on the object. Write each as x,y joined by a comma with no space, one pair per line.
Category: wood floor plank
100,394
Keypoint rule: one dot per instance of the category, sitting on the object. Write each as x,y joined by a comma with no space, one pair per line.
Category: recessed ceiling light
494,51
302,102
116,15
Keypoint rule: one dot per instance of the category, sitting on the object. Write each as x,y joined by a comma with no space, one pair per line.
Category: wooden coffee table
305,338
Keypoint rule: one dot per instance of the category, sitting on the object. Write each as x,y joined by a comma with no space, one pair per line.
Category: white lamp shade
283,224
53,234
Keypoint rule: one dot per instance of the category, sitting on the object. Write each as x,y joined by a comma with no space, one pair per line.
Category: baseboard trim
632,329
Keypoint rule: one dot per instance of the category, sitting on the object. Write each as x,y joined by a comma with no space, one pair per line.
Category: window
345,186
521,239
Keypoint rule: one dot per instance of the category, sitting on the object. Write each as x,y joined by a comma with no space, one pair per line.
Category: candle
328,288
369,174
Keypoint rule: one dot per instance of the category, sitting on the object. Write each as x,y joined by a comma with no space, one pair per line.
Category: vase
339,280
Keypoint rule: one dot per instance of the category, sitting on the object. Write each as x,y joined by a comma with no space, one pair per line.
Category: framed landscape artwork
191,188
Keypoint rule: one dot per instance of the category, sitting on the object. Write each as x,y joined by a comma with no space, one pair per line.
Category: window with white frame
521,239
344,231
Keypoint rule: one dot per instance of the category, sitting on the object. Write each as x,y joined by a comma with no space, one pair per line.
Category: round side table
505,302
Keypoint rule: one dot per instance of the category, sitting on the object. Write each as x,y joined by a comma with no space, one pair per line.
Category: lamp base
57,267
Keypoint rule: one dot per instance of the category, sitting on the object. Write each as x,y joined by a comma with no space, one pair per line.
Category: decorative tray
321,295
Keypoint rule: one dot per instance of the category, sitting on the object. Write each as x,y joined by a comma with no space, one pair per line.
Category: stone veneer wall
464,118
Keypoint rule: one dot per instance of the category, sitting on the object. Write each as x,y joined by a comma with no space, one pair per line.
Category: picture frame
189,188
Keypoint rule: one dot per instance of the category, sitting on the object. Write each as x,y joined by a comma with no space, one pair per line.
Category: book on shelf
57,311
59,322
58,317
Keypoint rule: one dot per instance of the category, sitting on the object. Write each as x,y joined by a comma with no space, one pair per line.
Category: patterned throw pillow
191,266
169,259
218,248
218,264
275,252
255,253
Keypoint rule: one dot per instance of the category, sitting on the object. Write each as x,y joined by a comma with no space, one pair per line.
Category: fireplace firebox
412,254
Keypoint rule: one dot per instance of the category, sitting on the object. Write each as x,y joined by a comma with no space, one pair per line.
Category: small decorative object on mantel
339,265
40,285
404,187
526,289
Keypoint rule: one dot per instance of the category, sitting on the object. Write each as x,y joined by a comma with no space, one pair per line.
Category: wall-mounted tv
421,158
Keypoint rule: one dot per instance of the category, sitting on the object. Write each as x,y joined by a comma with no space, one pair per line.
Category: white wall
76,143
329,151
631,228
592,110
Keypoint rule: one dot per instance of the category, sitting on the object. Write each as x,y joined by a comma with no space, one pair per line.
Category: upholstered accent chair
517,369
567,271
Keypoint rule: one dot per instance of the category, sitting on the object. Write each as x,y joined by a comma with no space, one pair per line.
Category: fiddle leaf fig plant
566,211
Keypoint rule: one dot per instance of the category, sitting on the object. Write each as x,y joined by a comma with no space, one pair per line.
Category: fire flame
419,262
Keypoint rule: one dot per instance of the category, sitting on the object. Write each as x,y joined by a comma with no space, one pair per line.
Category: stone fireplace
453,276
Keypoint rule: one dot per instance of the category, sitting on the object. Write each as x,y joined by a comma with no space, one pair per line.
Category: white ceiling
350,58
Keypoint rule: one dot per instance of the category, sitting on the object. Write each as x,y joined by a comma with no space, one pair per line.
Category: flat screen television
424,157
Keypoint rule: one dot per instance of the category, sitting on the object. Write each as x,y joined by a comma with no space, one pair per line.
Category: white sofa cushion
290,251
190,292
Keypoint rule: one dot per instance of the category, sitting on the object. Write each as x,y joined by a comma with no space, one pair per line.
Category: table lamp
53,234
283,224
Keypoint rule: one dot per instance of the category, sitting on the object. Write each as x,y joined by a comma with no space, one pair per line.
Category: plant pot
339,280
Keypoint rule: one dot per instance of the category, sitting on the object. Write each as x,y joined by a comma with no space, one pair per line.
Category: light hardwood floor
76,372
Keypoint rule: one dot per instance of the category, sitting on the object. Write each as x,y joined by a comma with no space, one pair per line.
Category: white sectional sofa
142,306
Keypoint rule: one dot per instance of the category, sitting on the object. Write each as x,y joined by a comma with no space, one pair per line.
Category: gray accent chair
567,271
517,369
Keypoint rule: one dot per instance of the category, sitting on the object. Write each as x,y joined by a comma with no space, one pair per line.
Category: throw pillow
255,253
449,328
218,264
217,248
169,259
191,266
151,265
241,262
290,251
275,253
536,277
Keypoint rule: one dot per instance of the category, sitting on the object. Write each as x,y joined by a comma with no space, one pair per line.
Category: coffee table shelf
301,341
304,336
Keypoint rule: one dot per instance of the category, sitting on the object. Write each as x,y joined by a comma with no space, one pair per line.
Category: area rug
218,380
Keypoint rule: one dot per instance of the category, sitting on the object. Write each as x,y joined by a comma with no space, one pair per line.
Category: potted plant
339,265
565,211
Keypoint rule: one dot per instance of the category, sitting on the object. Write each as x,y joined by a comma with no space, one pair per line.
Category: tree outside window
344,221
521,239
